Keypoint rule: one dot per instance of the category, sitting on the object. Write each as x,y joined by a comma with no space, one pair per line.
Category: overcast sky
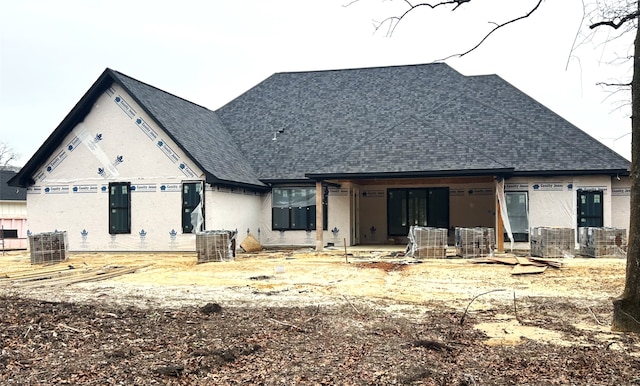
211,51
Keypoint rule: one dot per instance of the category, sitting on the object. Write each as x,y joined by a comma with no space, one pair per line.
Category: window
590,210
295,209
419,207
190,199
518,214
119,207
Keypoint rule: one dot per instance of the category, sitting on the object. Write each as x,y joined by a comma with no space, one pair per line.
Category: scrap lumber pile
521,265
603,242
219,245
474,242
48,247
427,243
59,275
552,242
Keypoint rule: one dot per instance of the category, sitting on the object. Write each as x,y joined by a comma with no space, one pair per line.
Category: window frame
119,206
413,204
518,237
290,217
189,206
591,215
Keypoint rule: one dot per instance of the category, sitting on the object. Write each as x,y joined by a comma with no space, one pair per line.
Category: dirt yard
299,317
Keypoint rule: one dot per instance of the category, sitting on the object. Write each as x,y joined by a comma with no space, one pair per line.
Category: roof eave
503,172
550,173
213,180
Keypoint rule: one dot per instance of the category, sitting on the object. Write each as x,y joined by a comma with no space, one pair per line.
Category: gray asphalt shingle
334,121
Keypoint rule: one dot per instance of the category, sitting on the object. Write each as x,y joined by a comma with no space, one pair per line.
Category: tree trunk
626,309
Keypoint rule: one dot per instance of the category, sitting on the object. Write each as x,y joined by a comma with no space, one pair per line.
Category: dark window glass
190,199
119,207
295,208
518,213
590,210
416,206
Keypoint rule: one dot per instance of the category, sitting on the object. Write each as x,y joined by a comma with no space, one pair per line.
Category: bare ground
297,317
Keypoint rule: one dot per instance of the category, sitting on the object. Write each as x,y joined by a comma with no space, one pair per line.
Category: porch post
499,227
319,216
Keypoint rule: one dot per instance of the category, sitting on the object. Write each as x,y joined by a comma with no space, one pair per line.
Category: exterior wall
338,206
233,209
70,193
373,215
13,215
553,201
620,202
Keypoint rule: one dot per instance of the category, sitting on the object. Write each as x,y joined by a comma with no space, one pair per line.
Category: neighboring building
13,213
365,152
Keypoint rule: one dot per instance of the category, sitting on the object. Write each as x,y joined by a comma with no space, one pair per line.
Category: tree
626,308
622,16
7,155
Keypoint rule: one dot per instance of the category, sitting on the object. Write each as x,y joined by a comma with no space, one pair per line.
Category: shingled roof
195,129
10,193
414,120
406,120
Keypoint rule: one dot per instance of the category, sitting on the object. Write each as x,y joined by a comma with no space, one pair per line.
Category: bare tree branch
7,154
395,20
618,22
613,84
496,27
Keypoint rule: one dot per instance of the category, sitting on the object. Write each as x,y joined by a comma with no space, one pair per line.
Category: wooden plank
504,260
109,275
527,269
54,275
551,262
34,272
87,276
482,261
526,261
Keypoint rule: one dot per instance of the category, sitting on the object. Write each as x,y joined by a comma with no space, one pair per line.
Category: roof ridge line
156,88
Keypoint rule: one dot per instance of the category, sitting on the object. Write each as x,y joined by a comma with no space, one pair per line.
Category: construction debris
522,265
251,244
63,276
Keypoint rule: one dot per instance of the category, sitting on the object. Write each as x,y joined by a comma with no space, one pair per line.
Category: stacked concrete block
552,242
427,242
216,246
474,242
603,242
49,247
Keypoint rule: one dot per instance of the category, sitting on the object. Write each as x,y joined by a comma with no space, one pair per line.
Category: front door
590,212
